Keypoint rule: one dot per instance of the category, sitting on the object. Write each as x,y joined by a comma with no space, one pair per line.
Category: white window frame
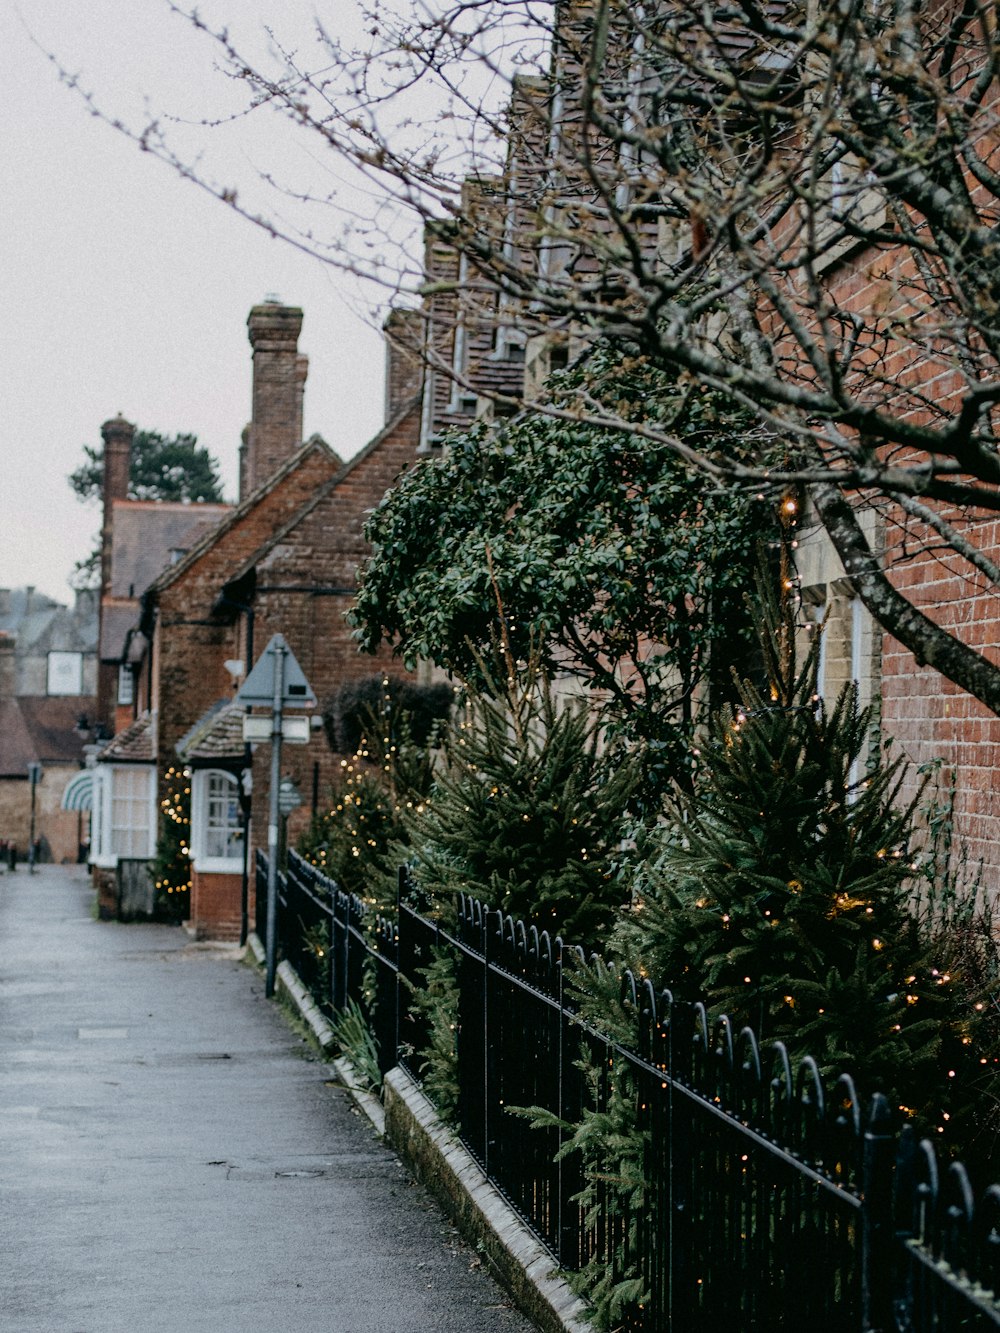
209,786
126,685
113,784
102,780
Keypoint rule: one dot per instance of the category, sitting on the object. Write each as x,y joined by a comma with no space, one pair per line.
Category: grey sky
127,289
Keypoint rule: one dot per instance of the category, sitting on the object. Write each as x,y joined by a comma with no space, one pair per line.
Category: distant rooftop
41,624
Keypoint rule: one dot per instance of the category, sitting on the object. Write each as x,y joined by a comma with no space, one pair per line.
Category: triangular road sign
258,688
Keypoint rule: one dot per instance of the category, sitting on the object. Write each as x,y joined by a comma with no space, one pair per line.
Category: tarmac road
173,1159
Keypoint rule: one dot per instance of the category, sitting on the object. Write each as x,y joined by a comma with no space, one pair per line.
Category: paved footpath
174,1160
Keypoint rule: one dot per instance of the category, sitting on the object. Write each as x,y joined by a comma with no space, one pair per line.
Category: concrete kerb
436,1157
287,982
442,1163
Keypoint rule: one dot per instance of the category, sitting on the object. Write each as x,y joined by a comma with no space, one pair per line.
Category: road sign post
276,679
34,777
271,943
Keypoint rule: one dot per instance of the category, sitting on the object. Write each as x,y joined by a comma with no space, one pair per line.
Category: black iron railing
748,1195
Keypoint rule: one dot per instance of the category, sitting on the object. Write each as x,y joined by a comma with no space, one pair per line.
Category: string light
175,877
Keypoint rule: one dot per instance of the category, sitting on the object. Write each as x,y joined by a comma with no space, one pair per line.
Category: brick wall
929,718
195,635
404,370
117,434
59,829
304,590
923,715
216,906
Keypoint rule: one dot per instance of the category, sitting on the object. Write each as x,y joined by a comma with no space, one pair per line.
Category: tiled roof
40,624
16,748
134,745
233,516
321,492
52,724
116,621
41,730
147,532
217,736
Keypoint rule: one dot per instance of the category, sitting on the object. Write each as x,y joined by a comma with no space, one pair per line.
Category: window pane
126,685
223,818
130,811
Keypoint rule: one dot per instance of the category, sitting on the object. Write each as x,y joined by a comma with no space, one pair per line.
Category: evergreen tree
162,467
363,836
528,814
615,564
172,864
779,892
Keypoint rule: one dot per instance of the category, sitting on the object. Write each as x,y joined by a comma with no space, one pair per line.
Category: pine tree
528,815
779,892
172,864
363,836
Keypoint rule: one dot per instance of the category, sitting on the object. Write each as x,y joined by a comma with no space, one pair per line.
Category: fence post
341,921
877,1223
402,888
487,1081
561,1105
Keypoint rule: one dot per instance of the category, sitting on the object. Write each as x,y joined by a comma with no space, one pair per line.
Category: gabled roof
217,736
41,730
116,621
134,745
174,572
52,723
16,748
41,624
322,492
147,534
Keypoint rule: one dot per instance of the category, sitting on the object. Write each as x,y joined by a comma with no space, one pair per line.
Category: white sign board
294,730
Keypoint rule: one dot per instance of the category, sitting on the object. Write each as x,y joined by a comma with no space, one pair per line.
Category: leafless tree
793,201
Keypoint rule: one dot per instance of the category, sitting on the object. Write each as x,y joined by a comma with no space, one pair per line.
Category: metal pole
33,774
245,878
877,1221
244,795
271,945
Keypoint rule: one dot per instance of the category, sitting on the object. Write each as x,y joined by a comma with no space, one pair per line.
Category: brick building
138,539
283,560
591,227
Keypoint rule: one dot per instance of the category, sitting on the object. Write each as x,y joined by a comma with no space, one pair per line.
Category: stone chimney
117,435
279,378
404,370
